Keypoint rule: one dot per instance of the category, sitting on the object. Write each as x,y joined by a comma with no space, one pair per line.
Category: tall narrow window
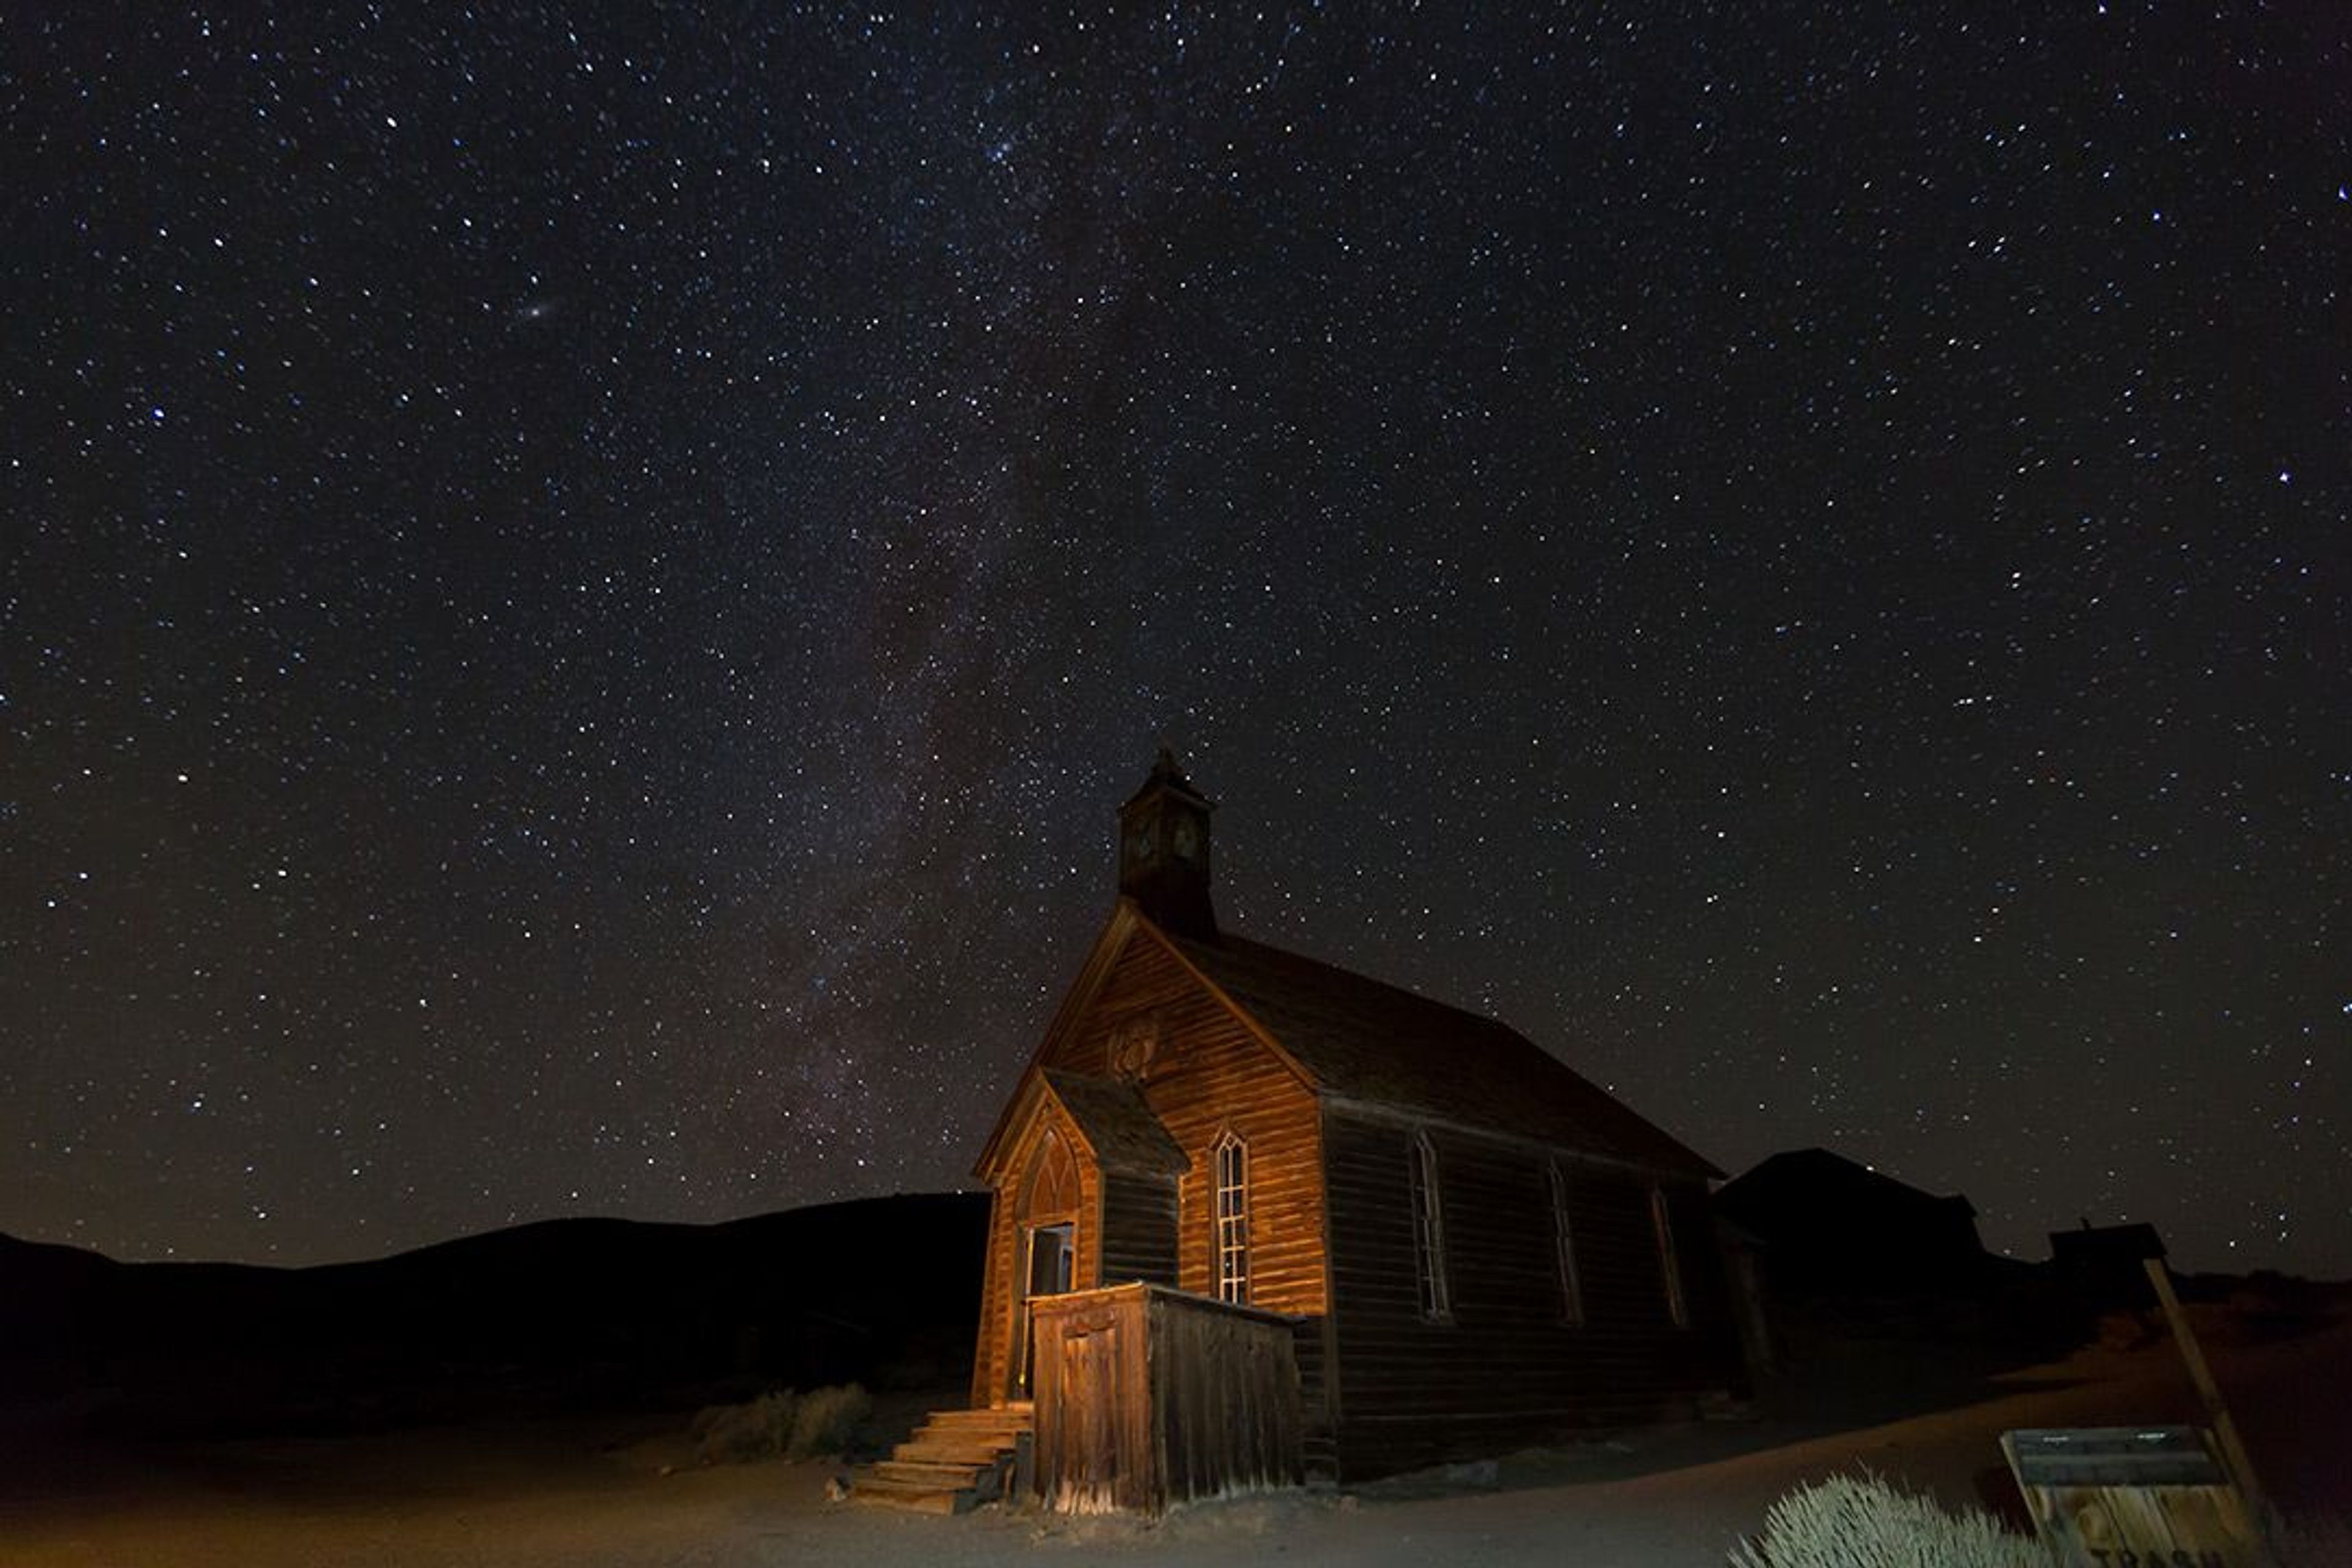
1232,1219
1563,1240
1429,1233
1669,1267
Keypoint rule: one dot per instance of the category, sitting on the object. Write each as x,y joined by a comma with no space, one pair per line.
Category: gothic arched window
1670,1266
1231,1239
1429,1233
1563,1238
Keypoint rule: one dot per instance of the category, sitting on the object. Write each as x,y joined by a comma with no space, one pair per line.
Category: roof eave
1693,1163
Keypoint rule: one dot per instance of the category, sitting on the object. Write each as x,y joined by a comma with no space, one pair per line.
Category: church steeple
1164,850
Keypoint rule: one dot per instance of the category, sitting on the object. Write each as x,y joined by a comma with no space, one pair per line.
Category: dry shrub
826,1421
761,1428
781,1425
1849,1521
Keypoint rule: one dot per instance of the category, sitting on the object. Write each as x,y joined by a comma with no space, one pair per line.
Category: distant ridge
569,1313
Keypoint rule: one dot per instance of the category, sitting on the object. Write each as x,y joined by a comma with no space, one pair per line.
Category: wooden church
1258,1219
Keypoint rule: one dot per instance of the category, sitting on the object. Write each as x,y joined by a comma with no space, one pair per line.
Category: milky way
579,589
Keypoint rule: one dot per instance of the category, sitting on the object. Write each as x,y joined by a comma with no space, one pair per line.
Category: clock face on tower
1160,841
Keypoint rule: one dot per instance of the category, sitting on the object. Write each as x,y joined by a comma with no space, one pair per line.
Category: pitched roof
1116,1122
1364,1040
1816,1181
1830,1220
1168,773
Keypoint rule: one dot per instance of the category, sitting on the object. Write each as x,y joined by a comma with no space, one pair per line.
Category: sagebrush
785,1425
1861,1521
827,1421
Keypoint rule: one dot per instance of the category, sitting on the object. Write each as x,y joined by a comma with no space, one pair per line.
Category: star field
578,588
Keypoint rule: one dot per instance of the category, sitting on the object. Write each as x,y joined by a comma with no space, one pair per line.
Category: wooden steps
956,1460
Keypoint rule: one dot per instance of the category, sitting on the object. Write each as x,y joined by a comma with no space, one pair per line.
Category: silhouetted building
2105,1262
1826,1225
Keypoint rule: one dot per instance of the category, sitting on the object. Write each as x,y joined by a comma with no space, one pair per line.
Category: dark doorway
1053,1249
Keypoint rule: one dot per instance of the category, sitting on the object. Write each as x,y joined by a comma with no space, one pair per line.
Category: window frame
1670,1267
1426,1192
1563,1241
1229,1222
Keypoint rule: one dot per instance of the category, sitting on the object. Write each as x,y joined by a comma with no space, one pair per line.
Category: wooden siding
1310,1347
1225,1389
1209,1072
1147,1397
1138,1228
1007,1269
1505,1369
1093,1445
988,1372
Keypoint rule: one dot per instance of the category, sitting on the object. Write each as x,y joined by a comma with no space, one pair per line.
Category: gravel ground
620,1494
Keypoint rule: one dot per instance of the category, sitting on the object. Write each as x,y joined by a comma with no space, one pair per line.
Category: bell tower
1164,850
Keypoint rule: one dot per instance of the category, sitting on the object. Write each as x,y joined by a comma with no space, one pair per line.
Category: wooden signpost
2233,1452
2135,1497
2148,1497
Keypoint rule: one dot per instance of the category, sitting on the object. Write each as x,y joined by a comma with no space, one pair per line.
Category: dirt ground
622,1494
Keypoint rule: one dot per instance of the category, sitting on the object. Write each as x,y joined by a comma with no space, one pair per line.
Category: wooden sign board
2135,1497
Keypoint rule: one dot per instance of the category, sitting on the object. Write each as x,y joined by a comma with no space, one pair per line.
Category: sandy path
537,1496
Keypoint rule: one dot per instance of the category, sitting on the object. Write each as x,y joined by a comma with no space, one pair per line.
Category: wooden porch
1148,1397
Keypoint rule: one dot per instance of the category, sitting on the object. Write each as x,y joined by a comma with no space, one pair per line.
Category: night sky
580,588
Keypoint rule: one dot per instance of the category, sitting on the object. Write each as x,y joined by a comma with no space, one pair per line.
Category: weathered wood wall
1225,1394
1310,1346
1138,1228
1093,1444
995,1329
1209,1073
1147,1397
1507,1369
1007,1268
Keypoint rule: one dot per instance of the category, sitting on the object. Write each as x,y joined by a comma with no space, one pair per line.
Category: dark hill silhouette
561,1314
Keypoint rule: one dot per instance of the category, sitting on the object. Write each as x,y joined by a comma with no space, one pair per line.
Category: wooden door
1092,1401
